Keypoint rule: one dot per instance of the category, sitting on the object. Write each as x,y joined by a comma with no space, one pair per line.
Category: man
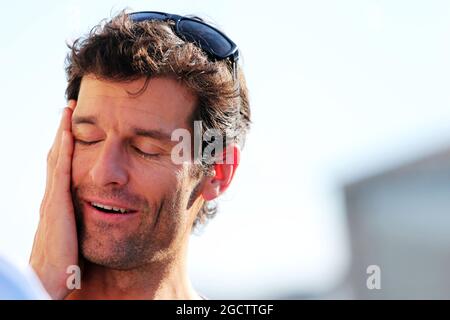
118,202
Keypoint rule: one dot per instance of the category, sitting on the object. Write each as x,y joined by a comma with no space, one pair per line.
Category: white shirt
19,284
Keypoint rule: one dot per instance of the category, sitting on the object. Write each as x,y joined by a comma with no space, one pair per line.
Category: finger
72,104
65,124
52,156
63,169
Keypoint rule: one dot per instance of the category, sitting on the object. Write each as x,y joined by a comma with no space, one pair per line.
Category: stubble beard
99,245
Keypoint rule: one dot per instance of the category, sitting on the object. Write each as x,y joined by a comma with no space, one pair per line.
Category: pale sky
339,90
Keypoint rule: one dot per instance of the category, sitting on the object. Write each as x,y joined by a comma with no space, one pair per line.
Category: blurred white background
339,90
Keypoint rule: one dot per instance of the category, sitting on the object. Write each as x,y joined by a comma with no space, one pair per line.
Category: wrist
51,282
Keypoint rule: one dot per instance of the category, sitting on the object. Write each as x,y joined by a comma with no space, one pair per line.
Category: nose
110,165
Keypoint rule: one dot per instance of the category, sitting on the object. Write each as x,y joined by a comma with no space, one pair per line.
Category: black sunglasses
215,43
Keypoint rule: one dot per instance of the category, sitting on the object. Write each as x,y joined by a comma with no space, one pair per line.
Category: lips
109,207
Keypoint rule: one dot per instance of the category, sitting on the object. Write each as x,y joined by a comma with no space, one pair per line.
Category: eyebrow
149,133
154,134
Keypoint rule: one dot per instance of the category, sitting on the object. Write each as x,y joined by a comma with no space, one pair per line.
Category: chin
121,253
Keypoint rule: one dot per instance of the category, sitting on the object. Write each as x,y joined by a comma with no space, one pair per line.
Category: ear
219,182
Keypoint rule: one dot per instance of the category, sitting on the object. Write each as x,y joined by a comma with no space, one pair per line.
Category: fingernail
66,111
71,104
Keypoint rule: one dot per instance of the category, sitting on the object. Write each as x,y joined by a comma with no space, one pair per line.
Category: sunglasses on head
214,42
211,40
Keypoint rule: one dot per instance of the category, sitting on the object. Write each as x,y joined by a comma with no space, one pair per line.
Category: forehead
167,101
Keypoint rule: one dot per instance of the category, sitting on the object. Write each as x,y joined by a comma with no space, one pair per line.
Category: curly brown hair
122,50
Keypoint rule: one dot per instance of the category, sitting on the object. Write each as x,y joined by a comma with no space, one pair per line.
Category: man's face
122,159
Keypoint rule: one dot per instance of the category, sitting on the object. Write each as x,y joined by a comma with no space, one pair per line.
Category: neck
166,280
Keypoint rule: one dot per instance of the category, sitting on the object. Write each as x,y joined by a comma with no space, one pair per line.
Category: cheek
81,163
152,181
160,185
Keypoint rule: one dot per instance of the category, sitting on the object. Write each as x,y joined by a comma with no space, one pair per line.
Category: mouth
110,208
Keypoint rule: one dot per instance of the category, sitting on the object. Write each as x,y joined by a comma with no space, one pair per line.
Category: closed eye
85,143
145,154
137,150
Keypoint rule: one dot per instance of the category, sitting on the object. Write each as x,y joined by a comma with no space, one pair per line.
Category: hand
55,244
